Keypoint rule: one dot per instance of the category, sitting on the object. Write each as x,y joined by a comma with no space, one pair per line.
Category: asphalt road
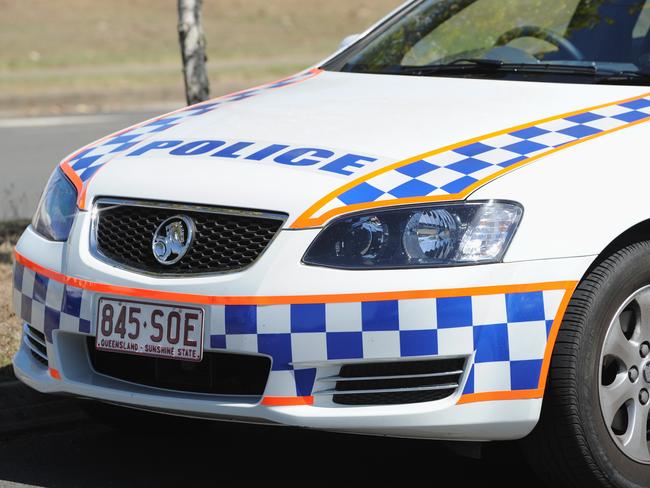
197,453
30,148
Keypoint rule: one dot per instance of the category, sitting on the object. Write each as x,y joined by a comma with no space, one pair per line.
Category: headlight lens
57,208
428,236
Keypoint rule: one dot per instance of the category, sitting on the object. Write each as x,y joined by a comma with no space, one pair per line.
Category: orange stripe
552,337
74,178
278,401
82,189
546,363
500,395
288,299
306,219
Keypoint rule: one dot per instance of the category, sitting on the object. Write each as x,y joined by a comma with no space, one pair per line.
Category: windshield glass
608,35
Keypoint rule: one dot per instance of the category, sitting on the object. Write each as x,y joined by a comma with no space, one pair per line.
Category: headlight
57,208
426,236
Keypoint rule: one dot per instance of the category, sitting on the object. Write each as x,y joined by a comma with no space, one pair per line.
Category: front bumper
502,319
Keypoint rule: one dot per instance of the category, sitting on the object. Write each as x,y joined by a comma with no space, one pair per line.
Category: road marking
28,122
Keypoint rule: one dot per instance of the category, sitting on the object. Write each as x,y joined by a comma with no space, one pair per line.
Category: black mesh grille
419,381
222,241
218,373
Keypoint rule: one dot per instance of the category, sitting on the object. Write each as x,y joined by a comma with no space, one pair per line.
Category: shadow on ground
7,373
197,453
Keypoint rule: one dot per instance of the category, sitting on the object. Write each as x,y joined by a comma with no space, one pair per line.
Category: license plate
150,329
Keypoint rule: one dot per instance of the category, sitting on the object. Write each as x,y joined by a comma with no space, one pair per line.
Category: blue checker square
459,185
361,193
580,131
121,139
413,188
278,346
376,316
632,116
305,381
473,149
72,301
26,308
84,326
469,384
525,147
344,345
454,312
124,147
418,342
218,341
584,118
524,375
636,104
491,343
163,121
40,288
88,173
525,307
85,162
51,322
81,154
549,326
416,169
511,162
241,319
468,166
19,271
308,317
529,132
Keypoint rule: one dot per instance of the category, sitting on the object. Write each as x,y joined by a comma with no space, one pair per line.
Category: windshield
610,35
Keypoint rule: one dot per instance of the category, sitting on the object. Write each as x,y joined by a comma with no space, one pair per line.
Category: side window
643,23
487,20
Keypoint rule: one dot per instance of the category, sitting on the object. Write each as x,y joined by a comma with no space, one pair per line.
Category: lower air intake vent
35,341
218,373
395,382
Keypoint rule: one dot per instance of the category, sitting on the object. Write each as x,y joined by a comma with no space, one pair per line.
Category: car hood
294,146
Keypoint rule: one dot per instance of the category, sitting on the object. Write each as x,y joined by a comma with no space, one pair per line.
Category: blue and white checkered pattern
507,334
86,163
451,172
48,305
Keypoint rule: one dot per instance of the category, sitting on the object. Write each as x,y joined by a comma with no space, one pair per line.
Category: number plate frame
143,340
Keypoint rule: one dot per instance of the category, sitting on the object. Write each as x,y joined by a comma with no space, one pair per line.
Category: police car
442,231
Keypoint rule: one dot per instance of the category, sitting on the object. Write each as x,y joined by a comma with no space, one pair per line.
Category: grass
84,55
9,323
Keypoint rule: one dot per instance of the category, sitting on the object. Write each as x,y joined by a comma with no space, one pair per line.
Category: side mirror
351,39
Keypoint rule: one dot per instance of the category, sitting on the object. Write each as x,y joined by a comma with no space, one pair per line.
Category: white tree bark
192,40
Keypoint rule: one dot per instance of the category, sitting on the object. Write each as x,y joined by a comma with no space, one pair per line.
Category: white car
441,232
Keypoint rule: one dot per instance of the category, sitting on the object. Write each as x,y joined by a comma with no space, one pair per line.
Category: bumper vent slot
218,373
35,341
393,383
225,240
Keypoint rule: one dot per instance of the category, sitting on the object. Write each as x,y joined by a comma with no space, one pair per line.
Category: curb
23,409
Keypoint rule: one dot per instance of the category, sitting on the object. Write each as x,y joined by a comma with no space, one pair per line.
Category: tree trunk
192,39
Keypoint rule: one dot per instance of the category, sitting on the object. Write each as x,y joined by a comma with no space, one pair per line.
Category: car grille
392,383
35,341
219,373
224,240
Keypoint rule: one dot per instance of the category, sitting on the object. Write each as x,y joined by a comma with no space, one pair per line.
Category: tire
572,445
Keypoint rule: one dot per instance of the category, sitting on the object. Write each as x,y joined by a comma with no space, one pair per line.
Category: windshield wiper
477,65
495,65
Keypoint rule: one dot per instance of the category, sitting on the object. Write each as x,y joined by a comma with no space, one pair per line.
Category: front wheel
595,423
